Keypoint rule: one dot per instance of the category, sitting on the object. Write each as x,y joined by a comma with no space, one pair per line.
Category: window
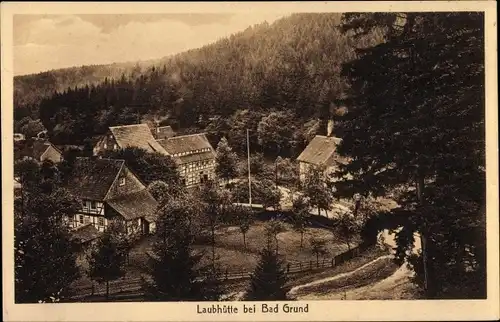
122,181
93,205
100,221
105,146
86,220
81,219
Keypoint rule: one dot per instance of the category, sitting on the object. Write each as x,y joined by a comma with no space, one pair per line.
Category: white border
318,310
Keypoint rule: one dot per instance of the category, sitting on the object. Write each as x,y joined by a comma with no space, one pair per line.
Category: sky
44,42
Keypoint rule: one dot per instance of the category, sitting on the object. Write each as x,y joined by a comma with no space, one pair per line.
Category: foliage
45,256
275,131
268,280
317,192
288,172
106,260
225,161
416,118
245,220
163,191
263,192
300,215
347,228
29,127
318,247
215,206
175,269
148,166
273,228
228,86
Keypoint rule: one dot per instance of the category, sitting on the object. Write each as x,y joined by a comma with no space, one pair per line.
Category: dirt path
295,289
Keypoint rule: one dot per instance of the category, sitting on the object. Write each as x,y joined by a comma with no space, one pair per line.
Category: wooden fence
133,286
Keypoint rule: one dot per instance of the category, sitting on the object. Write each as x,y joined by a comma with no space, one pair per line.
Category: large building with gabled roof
194,156
125,136
109,191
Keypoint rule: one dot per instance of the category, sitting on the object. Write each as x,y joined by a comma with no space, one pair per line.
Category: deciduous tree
106,260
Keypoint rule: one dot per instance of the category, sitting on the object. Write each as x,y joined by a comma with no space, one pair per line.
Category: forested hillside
290,68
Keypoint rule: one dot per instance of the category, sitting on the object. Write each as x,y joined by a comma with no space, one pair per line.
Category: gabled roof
135,205
192,143
92,178
35,149
163,132
321,151
137,136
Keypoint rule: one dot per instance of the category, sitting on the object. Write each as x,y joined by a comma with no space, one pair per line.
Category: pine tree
268,279
45,256
106,261
415,122
225,161
176,272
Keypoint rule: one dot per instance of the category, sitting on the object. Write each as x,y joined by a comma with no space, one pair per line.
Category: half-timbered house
109,192
194,156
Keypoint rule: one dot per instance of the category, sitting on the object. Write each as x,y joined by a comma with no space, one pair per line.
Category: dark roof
85,233
163,132
321,151
68,147
135,205
92,178
186,143
37,149
136,135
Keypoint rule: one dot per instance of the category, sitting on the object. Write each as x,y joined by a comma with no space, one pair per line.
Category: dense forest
290,68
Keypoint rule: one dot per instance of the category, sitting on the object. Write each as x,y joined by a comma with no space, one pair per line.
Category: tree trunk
244,241
301,239
107,290
276,241
317,259
319,211
423,237
213,243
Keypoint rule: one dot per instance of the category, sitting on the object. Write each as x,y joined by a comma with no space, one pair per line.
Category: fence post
310,265
333,261
226,273
288,268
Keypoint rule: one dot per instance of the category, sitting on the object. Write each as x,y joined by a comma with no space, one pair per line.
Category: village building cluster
110,192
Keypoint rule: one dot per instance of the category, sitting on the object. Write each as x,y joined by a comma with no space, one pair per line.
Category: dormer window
122,181
93,205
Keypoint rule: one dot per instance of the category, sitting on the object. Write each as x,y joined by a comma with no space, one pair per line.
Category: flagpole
249,175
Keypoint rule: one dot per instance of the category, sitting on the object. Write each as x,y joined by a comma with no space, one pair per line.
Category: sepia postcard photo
226,161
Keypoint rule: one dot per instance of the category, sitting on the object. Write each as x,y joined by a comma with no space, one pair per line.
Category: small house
320,153
37,149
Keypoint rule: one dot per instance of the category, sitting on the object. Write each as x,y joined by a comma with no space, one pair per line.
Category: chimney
157,125
329,129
